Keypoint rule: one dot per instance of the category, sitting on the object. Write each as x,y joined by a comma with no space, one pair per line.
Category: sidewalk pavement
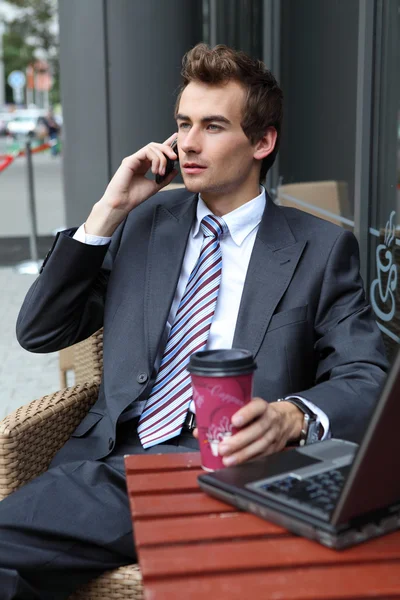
23,376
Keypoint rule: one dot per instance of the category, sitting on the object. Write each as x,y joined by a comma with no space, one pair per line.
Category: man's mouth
193,168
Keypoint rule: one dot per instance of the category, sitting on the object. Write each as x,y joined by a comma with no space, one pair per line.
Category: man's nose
190,142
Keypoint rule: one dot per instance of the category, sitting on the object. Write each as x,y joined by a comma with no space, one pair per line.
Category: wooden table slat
355,582
196,528
137,463
219,557
169,481
174,505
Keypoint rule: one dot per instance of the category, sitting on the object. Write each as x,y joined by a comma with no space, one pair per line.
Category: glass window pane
385,176
319,81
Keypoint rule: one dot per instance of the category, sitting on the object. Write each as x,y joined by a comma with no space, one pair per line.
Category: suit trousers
72,523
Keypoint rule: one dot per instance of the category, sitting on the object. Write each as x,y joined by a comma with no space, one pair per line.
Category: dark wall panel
146,43
120,70
83,90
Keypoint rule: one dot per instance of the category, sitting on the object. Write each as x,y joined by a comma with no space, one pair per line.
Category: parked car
5,118
22,126
24,123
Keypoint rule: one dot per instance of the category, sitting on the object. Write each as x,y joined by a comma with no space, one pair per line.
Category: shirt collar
240,221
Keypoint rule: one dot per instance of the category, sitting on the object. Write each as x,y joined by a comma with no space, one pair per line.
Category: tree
30,34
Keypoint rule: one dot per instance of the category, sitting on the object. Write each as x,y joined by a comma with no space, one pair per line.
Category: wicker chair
31,435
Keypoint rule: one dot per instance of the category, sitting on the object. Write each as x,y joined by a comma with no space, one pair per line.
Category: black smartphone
170,164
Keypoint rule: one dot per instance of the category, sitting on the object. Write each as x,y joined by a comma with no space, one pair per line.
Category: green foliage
28,31
16,55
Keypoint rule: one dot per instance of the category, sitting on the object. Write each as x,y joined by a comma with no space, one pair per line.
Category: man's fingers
157,159
245,437
269,443
161,152
168,179
249,412
153,155
258,447
171,138
170,152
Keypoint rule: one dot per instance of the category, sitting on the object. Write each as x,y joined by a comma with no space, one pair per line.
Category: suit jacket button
142,378
110,444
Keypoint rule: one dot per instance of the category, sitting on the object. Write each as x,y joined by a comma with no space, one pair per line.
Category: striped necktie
168,403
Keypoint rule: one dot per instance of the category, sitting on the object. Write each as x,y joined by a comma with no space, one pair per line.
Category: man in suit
289,291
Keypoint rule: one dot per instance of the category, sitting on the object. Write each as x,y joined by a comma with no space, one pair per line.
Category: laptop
335,492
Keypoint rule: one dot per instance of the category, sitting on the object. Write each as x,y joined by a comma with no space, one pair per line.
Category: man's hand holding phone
169,167
130,187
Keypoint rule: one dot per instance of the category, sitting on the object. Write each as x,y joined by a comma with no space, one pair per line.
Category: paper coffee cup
222,382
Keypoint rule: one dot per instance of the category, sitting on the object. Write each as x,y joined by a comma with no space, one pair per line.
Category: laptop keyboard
318,491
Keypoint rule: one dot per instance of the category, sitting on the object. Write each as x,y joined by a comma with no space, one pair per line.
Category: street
14,214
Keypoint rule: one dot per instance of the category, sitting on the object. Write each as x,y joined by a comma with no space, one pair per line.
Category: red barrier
7,159
40,148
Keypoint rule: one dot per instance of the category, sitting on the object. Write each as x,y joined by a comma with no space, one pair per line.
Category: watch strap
310,429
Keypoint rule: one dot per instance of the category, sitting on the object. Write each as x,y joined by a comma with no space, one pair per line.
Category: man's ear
265,146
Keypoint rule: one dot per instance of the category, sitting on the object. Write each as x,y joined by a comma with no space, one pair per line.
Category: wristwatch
311,429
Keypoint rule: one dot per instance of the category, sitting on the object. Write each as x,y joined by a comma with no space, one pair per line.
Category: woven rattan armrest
124,583
31,435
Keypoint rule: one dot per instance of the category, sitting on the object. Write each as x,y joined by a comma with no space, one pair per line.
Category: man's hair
263,105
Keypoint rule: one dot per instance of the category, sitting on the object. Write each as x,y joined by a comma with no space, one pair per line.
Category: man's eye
183,125
214,127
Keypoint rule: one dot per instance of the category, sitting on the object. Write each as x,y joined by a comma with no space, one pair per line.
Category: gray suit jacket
303,313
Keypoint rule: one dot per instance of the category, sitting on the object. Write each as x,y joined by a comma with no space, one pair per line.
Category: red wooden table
192,546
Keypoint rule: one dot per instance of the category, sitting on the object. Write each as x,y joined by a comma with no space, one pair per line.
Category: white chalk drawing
385,264
218,432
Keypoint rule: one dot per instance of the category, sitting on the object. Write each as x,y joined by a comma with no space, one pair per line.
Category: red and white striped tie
168,403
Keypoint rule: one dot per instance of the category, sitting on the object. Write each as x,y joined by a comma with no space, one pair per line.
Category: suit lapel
168,239
273,261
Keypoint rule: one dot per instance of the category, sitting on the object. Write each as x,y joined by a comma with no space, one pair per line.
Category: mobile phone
169,166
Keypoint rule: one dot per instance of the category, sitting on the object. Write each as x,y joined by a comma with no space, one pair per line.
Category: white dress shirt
236,249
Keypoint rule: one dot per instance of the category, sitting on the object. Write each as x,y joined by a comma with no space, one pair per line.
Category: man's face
215,155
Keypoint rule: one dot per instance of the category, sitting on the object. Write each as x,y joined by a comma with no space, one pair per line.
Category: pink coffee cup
222,382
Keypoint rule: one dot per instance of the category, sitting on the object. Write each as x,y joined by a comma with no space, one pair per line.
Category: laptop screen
374,479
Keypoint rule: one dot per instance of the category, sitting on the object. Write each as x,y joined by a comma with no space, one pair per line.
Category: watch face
313,432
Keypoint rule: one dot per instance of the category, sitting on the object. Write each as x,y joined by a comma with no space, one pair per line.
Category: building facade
338,62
